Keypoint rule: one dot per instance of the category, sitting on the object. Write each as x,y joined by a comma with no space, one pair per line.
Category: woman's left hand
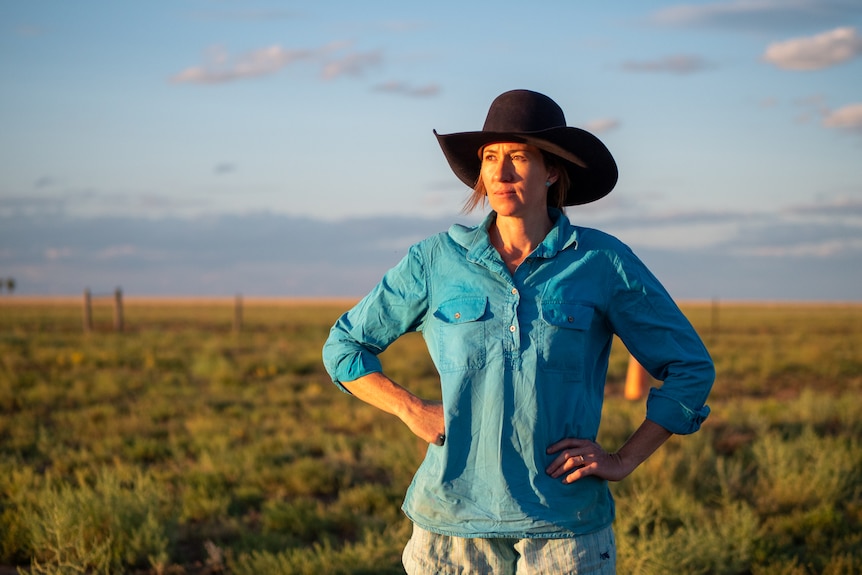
580,457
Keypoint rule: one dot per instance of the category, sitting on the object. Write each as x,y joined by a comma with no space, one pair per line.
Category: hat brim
590,165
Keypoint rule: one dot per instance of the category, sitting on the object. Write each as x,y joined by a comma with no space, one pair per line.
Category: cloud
426,90
795,234
827,236
786,254
678,218
224,168
52,253
811,108
678,231
30,204
402,26
119,251
814,108
677,64
815,52
220,68
354,64
759,14
602,125
44,182
829,228
71,202
403,88
846,118
246,15
56,254
716,12
824,249
28,31
334,59
841,207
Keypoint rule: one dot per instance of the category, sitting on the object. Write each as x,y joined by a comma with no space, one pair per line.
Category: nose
505,170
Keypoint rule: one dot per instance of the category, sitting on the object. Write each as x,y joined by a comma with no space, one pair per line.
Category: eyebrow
515,147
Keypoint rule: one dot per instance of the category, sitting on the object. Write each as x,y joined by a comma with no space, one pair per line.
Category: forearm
378,390
423,417
642,443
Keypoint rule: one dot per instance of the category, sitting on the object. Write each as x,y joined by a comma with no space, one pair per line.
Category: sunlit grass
183,446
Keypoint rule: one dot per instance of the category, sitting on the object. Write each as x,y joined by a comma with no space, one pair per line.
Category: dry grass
233,453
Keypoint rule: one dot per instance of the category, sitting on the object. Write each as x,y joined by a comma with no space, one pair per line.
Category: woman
518,314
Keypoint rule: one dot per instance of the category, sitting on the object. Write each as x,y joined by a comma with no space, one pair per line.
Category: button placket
513,309
512,347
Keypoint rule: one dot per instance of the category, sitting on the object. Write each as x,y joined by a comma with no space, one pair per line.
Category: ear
553,175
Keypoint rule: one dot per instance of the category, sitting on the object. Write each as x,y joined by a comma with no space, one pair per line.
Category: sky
215,147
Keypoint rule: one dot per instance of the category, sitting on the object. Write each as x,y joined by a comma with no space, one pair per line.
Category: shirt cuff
674,416
355,366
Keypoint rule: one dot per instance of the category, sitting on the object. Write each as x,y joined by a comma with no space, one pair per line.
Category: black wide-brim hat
527,117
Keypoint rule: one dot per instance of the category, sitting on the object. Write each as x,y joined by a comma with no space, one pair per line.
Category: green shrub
106,525
182,447
805,470
374,554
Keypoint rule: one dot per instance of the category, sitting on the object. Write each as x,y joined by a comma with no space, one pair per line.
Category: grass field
182,446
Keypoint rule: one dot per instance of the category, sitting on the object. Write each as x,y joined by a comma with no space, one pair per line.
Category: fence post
237,313
88,311
118,310
713,330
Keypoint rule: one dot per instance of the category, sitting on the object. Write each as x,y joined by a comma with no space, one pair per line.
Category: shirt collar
475,240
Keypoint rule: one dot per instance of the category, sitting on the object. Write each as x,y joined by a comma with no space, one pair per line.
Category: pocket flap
568,315
462,310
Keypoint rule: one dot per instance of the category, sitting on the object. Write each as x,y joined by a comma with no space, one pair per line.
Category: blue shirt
522,360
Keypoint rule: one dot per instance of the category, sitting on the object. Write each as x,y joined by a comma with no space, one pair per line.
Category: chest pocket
461,334
564,331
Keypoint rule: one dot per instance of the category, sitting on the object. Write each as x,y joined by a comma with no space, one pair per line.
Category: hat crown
523,111
532,118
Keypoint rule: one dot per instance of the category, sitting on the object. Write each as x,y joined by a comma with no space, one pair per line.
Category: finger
568,443
580,472
554,468
566,461
583,470
559,463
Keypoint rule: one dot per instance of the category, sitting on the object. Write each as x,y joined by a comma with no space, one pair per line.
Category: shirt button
512,328
514,291
458,316
570,319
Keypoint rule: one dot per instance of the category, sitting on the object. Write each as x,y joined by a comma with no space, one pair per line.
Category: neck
516,237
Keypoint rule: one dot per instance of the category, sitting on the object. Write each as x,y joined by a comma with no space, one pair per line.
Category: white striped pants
429,553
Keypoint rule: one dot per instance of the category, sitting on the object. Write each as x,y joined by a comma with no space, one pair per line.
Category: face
514,176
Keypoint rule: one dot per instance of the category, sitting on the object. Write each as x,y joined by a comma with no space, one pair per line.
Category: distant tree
10,285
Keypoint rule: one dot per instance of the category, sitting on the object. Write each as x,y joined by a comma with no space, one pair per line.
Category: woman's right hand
425,419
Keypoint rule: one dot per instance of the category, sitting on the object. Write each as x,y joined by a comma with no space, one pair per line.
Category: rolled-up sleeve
661,338
397,305
674,415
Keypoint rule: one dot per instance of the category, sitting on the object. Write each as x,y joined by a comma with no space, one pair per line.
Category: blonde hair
556,199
